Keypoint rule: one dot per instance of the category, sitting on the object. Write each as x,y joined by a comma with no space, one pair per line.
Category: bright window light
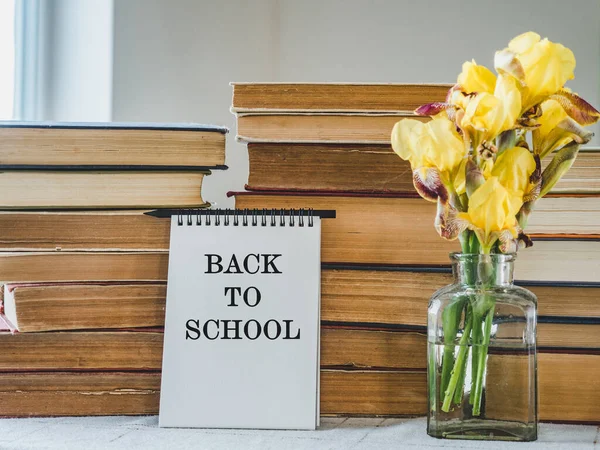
7,58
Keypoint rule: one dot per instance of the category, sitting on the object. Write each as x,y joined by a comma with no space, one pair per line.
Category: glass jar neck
483,270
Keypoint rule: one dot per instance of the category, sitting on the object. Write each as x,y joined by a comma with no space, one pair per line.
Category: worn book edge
158,126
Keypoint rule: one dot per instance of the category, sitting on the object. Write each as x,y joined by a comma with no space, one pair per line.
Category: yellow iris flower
487,115
435,150
492,211
474,79
472,158
541,66
513,169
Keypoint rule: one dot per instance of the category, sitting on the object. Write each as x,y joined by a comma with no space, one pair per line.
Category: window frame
30,59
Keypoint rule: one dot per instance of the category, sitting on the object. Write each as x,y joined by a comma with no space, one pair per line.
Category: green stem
459,391
457,373
481,363
465,241
475,340
474,244
431,378
450,322
482,306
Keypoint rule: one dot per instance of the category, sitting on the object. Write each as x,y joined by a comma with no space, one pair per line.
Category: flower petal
481,113
532,193
508,93
556,129
448,224
507,62
548,66
523,42
403,141
444,146
577,108
429,185
476,78
432,109
565,131
460,178
456,87
508,243
514,168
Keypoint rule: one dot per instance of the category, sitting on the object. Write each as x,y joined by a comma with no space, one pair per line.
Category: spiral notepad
241,345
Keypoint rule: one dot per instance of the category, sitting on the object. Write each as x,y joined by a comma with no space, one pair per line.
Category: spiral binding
246,217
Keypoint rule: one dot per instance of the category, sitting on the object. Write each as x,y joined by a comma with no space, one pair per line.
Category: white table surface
121,432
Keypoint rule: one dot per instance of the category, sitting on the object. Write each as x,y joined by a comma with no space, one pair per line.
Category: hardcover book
111,146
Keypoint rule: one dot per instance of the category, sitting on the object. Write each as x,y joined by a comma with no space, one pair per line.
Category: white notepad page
252,382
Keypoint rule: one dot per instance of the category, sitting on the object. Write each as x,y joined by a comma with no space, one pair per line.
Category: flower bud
474,177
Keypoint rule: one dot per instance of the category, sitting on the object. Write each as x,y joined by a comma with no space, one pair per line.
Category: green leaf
560,164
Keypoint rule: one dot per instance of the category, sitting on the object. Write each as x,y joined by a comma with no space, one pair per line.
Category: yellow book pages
83,230
393,297
39,394
58,189
369,168
309,128
368,97
110,144
29,267
75,306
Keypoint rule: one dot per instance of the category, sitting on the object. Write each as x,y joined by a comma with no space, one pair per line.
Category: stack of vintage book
83,268
327,146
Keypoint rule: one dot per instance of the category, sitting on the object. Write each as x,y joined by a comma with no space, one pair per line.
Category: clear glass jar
482,366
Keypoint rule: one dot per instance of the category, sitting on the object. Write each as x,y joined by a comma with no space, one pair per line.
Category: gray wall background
173,60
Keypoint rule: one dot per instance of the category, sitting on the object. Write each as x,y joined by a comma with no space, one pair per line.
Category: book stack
327,146
83,268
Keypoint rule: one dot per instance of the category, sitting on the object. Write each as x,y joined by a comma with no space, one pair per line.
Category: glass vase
482,367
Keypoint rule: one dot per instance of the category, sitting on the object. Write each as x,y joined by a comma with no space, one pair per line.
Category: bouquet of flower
481,159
